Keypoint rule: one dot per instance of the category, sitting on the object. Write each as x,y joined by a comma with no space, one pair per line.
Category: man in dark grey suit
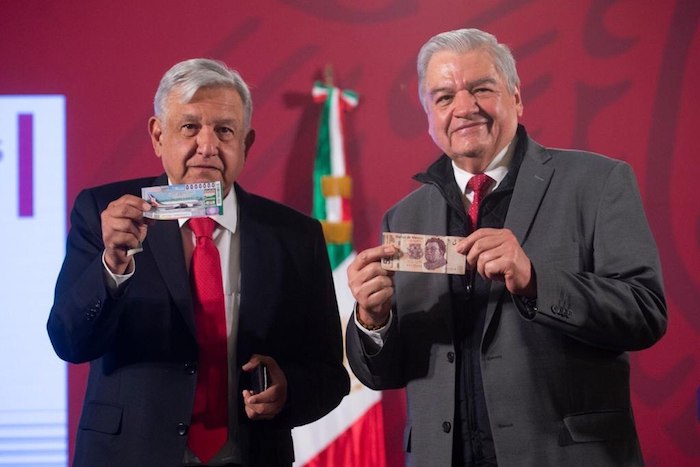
133,317
523,361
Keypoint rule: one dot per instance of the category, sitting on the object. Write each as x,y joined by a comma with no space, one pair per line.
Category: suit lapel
530,187
165,243
262,269
532,182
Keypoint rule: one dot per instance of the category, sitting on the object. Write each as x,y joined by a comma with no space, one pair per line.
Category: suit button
182,429
446,427
469,289
190,368
450,357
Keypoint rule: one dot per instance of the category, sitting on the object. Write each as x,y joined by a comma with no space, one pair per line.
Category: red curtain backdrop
615,77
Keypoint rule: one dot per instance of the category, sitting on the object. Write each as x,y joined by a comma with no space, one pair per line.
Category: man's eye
443,99
189,128
225,133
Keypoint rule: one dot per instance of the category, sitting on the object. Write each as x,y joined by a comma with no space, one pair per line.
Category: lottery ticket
184,201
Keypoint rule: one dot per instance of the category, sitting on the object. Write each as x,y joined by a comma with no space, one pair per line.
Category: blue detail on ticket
184,201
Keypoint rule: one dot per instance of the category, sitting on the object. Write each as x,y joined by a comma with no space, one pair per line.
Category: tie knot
479,184
202,226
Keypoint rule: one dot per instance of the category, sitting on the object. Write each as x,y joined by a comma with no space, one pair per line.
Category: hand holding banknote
496,255
123,228
371,285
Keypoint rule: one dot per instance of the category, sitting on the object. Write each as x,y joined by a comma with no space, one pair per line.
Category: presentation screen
33,412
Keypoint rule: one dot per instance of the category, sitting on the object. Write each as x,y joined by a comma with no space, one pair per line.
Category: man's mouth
204,167
469,127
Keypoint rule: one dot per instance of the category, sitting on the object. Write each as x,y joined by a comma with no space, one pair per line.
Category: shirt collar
227,220
497,169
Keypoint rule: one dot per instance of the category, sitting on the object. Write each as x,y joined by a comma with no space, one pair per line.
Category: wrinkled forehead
184,94
472,63
224,100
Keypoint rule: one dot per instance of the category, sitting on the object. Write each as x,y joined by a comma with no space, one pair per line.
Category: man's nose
465,103
207,142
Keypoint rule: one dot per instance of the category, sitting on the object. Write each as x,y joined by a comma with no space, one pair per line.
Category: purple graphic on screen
26,169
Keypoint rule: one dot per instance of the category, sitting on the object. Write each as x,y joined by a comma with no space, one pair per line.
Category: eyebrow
470,84
480,81
189,117
226,121
197,118
434,91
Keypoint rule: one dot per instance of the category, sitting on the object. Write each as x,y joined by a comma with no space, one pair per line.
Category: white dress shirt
226,236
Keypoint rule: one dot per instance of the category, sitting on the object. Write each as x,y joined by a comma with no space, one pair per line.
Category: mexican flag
353,433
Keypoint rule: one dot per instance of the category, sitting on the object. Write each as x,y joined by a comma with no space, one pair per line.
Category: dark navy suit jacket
142,349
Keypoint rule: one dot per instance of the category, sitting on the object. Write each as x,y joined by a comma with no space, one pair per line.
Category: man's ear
249,140
156,131
518,102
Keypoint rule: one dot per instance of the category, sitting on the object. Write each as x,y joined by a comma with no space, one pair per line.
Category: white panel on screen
33,395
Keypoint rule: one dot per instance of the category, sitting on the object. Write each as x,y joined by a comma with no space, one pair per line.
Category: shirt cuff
376,336
115,281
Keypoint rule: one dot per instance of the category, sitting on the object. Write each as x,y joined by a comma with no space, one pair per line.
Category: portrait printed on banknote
435,251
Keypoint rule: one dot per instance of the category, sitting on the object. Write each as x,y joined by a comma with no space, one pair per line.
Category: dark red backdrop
616,77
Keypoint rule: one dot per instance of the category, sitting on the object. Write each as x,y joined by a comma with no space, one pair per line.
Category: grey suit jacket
142,348
556,381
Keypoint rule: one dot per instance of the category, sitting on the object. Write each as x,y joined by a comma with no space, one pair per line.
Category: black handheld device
259,379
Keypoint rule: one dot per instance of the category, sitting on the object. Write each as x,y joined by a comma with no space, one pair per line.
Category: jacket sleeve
377,369
316,378
83,321
615,298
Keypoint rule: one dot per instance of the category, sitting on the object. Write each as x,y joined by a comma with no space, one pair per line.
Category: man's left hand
267,404
497,255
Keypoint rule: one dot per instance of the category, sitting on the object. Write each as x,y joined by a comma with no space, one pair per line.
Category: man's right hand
371,285
123,228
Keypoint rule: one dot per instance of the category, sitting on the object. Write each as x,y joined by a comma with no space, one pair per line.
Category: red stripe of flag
362,444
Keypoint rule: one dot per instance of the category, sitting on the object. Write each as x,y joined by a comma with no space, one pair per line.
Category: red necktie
479,185
209,428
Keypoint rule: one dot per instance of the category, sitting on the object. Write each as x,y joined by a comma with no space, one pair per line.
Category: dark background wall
615,77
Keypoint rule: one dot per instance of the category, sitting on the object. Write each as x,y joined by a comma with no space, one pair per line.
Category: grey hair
465,40
191,75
